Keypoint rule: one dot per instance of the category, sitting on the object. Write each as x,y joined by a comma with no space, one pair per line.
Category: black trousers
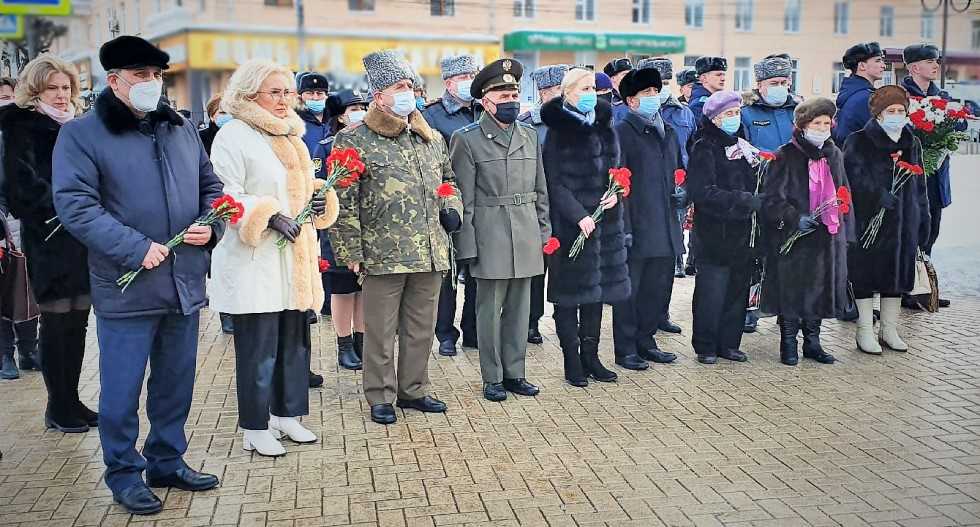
721,294
446,317
936,212
635,320
272,364
574,322
537,298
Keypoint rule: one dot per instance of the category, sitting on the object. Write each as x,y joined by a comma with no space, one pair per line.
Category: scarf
822,190
59,116
587,118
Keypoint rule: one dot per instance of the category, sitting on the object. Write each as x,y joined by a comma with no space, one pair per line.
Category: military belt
515,199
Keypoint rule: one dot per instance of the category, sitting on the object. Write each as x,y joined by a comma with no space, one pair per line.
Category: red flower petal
680,177
446,190
551,246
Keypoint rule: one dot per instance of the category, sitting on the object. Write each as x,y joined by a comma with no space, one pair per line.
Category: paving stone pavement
884,441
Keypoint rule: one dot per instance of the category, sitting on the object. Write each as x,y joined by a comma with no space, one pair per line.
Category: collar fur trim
260,119
383,124
118,118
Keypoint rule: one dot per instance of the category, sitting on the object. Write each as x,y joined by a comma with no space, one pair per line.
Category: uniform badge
317,164
506,65
509,78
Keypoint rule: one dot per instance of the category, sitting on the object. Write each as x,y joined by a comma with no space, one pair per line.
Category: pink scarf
822,190
60,116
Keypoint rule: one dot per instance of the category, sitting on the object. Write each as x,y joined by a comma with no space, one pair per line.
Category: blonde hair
573,77
34,78
247,80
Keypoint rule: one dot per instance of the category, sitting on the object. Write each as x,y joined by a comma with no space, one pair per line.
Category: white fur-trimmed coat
264,164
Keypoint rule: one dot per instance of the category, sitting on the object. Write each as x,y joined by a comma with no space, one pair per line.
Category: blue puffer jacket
767,127
852,107
681,119
316,131
939,182
699,96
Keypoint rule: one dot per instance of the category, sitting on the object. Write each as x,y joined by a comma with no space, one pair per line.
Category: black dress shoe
632,362
521,387
943,302
227,324
658,356
315,380
690,270
679,271
383,414
185,478
447,348
494,391
472,344
534,336
751,323
138,499
311,317
85,414
733,355
669,326
426,404
708,359
67,425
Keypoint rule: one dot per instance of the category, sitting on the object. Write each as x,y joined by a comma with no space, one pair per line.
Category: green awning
573,41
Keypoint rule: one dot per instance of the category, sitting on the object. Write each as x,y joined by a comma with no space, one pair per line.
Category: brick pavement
883,441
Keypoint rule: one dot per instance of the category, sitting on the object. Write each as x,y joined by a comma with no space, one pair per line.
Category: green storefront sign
569,41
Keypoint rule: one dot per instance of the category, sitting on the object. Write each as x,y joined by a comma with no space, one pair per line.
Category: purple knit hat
603,82
721,101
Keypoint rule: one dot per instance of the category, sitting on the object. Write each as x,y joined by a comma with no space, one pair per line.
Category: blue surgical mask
730,125
893,124
403,103
664,96
776,95
649,106
586,102
222,120
356,116
420,103
463,90
316,106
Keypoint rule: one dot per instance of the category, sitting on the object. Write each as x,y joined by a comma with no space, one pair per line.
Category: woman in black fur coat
809,283
580,148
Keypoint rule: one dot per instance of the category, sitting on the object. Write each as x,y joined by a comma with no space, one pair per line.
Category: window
279,3
529,92
842,14
838,77
585,10
694,13
886,22
354,5
743,73
524,8
743,15
794,76
791,17
442,7
641,11
928,25
689,60
975,39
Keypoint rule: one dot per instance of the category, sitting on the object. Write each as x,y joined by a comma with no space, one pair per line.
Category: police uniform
505,224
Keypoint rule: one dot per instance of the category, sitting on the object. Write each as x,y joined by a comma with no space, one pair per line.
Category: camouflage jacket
389,219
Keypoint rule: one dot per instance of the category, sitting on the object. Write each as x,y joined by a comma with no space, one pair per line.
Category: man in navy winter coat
128,177
616,69
313,89
711,72
866,62
767,111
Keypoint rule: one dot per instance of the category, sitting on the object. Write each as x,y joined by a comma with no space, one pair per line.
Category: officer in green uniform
497,162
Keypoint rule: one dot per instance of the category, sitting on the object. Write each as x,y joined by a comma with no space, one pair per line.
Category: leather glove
285,225
450,220
807,223
466,262
319,205
887,200
679,198
628,240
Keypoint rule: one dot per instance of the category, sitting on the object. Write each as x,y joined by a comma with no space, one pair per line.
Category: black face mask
507,111
608,97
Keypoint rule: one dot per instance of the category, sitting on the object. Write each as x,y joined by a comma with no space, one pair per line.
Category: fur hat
886,96
549,76
721,101
708,64
617,66
860,53
661,64
638,80
386,67
917,52
129,52
687,76
810,109
454,65
773,66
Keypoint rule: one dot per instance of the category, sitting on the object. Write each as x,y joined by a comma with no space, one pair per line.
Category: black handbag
16,296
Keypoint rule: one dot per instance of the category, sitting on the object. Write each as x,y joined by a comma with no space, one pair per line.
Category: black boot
590,361
573,363
788,346
359,345
60,411
346,356
227,324
8,367
26,333
74,340
811,343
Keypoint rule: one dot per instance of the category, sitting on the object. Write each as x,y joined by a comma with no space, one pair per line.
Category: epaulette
467,128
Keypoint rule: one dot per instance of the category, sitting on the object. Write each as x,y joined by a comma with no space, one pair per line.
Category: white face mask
356,116
815,137
403,103
145,96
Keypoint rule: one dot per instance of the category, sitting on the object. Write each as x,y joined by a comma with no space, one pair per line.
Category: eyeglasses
278,95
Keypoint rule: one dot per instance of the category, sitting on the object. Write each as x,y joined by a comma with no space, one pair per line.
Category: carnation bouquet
761,169
445,191
935,122
619,181
841,201
902,172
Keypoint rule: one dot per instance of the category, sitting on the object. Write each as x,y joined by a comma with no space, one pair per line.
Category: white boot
262,442
292,428
867,341
890,308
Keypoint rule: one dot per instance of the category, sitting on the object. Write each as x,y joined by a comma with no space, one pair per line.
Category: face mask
816,138
893,124
60,116
315,106
145,96
222,120
420,103
463,90
507,112
403,103
606,97
776,95
356,116
586,102
730,125
4,103
664,96
649,105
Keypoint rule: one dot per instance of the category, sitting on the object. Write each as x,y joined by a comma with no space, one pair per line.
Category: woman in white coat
261,159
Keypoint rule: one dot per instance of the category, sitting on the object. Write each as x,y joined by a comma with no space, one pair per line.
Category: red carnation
896,155
844,196
446,190
916,169
768,156
552,246
349,180
938,103
622,177
324,265
680,176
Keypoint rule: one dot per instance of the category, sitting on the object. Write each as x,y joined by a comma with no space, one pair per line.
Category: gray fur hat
386,67
661,64
773,66
454,65
549,76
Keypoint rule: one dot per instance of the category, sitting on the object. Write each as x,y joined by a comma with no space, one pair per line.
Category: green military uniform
389,222
505,224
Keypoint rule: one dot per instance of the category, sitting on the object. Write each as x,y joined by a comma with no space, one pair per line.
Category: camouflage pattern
389,219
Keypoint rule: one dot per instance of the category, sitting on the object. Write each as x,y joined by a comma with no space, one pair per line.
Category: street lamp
945,4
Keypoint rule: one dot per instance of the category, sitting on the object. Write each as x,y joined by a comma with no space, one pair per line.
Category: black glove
319,205
465,262
887,200
450,220
628,240
679,198
286,226
807,223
